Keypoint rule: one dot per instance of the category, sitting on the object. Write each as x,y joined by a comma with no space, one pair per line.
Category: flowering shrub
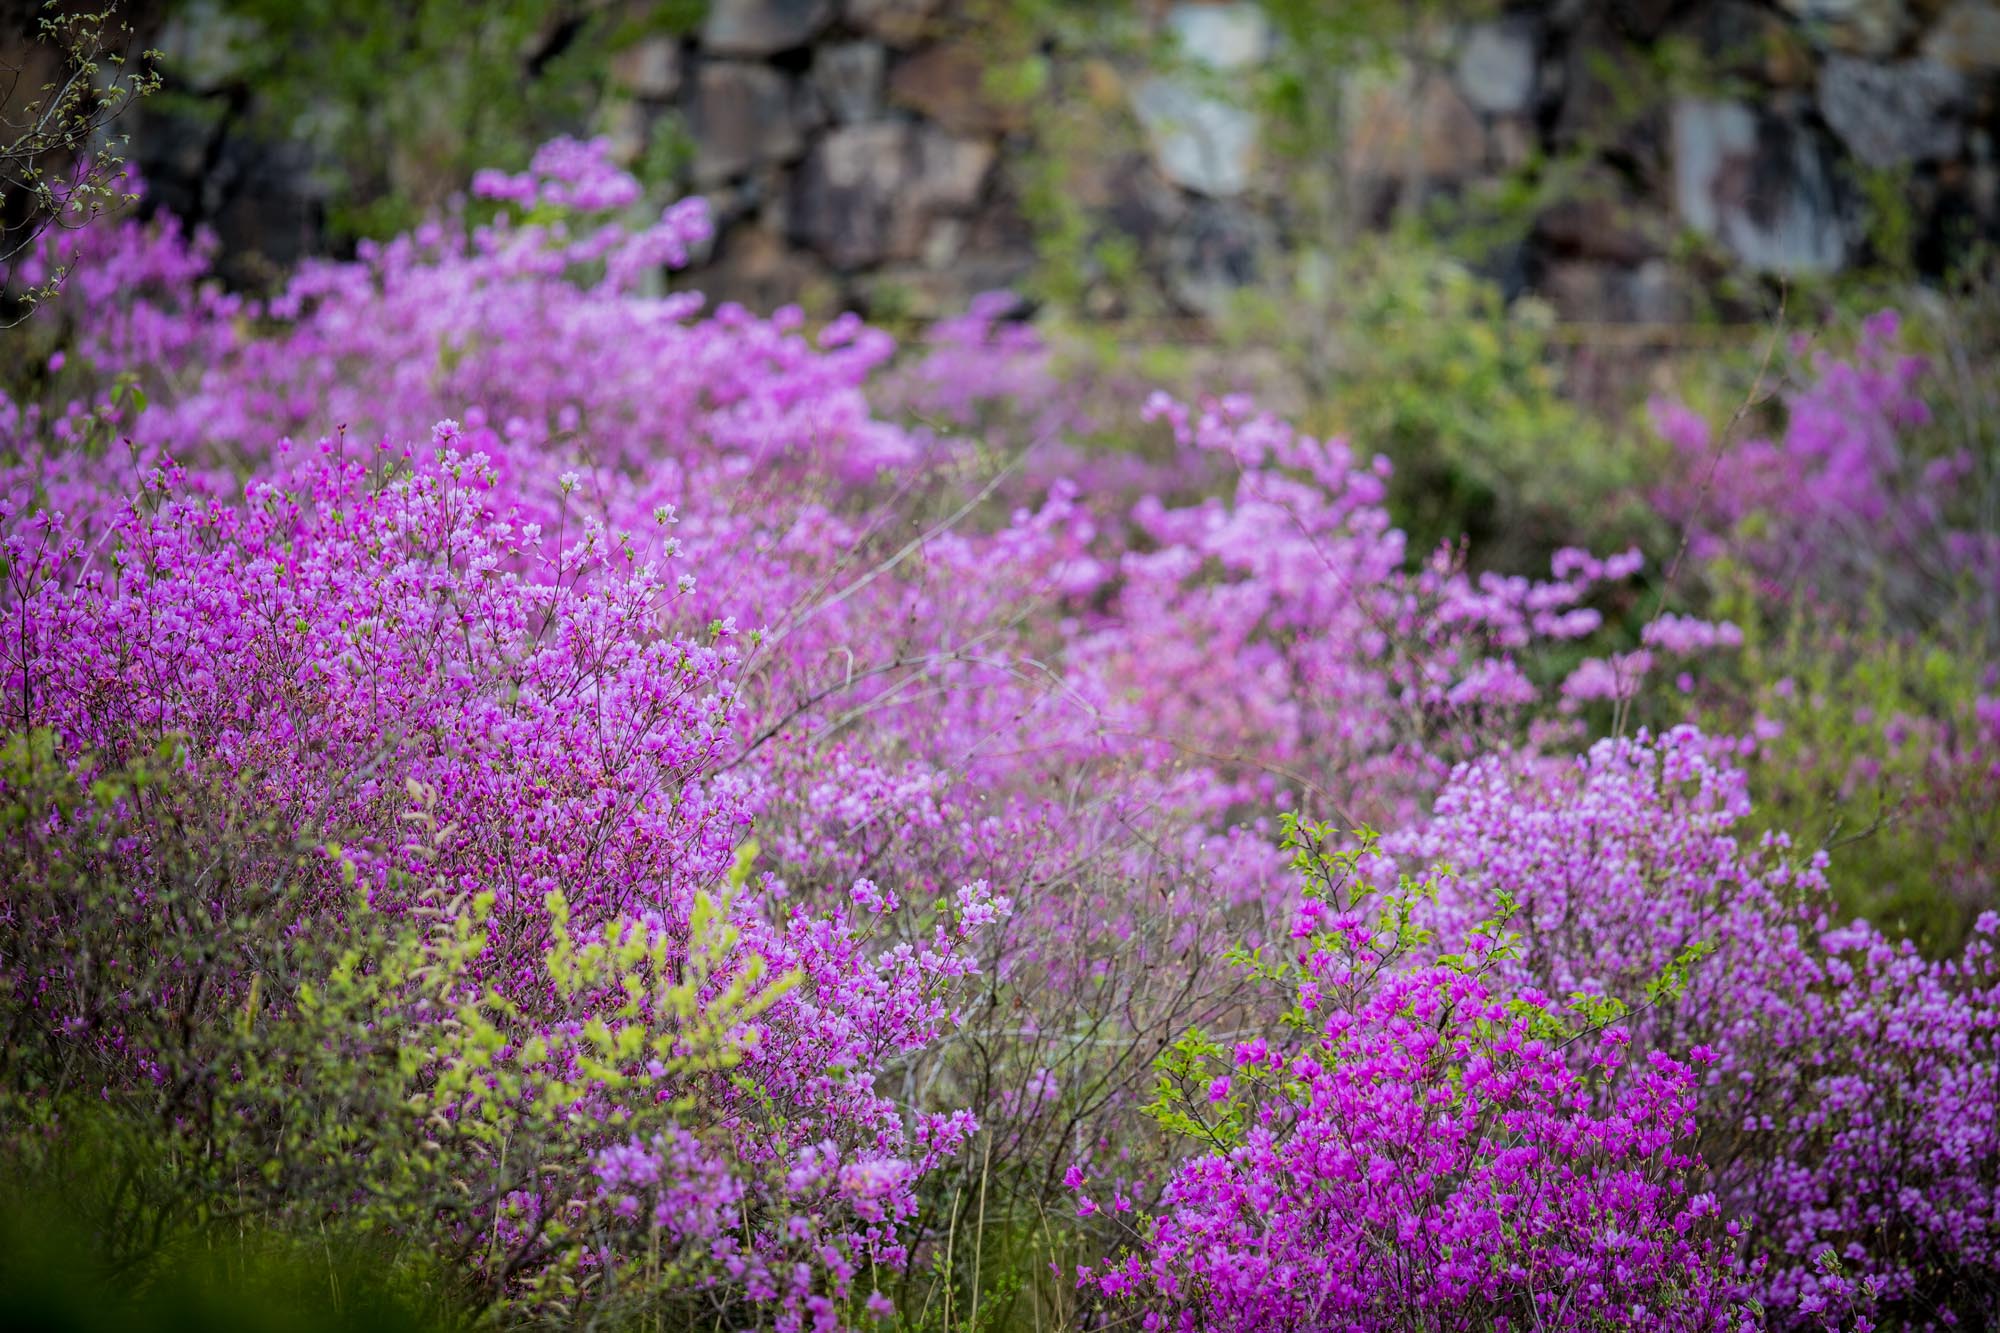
1883,746
337,647
769,806
1432,1141
1839,501
1849,1108
1851,554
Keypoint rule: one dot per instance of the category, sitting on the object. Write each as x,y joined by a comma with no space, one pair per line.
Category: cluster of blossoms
348,630
1837,500
1436,1141
1736,1098
1851,1107
1482,1195
974,736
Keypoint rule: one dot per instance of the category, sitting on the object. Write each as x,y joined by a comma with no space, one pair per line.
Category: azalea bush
1846,538
1842,1114
1429,1139
642,812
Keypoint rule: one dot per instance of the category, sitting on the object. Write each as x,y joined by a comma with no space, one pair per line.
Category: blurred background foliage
397,104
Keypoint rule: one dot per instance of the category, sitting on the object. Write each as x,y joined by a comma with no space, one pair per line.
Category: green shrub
366,1094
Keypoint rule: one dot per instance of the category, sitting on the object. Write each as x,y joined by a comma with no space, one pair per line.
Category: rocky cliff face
861,152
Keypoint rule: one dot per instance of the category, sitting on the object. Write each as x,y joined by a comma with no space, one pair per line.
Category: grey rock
919,291
1860,27
754,267
1217,251
948,170
1512,142
649,68
1611,294
1741,40
1759,185
848,190
1496,66
1396,126
1226,37
1199,142
762,27
732,202
740,115
875,155
1966,37
898,22
809,110
848,79
625,127
1657,295
1891,115
944,242
947,83
1595,224
871,192
1134,199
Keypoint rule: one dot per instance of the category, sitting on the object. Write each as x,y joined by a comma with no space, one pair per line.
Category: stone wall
857,154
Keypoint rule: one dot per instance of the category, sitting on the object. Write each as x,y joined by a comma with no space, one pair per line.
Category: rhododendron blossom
833,801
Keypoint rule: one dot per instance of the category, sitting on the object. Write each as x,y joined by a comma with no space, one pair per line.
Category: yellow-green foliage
1423,360
349,1072
1865,741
